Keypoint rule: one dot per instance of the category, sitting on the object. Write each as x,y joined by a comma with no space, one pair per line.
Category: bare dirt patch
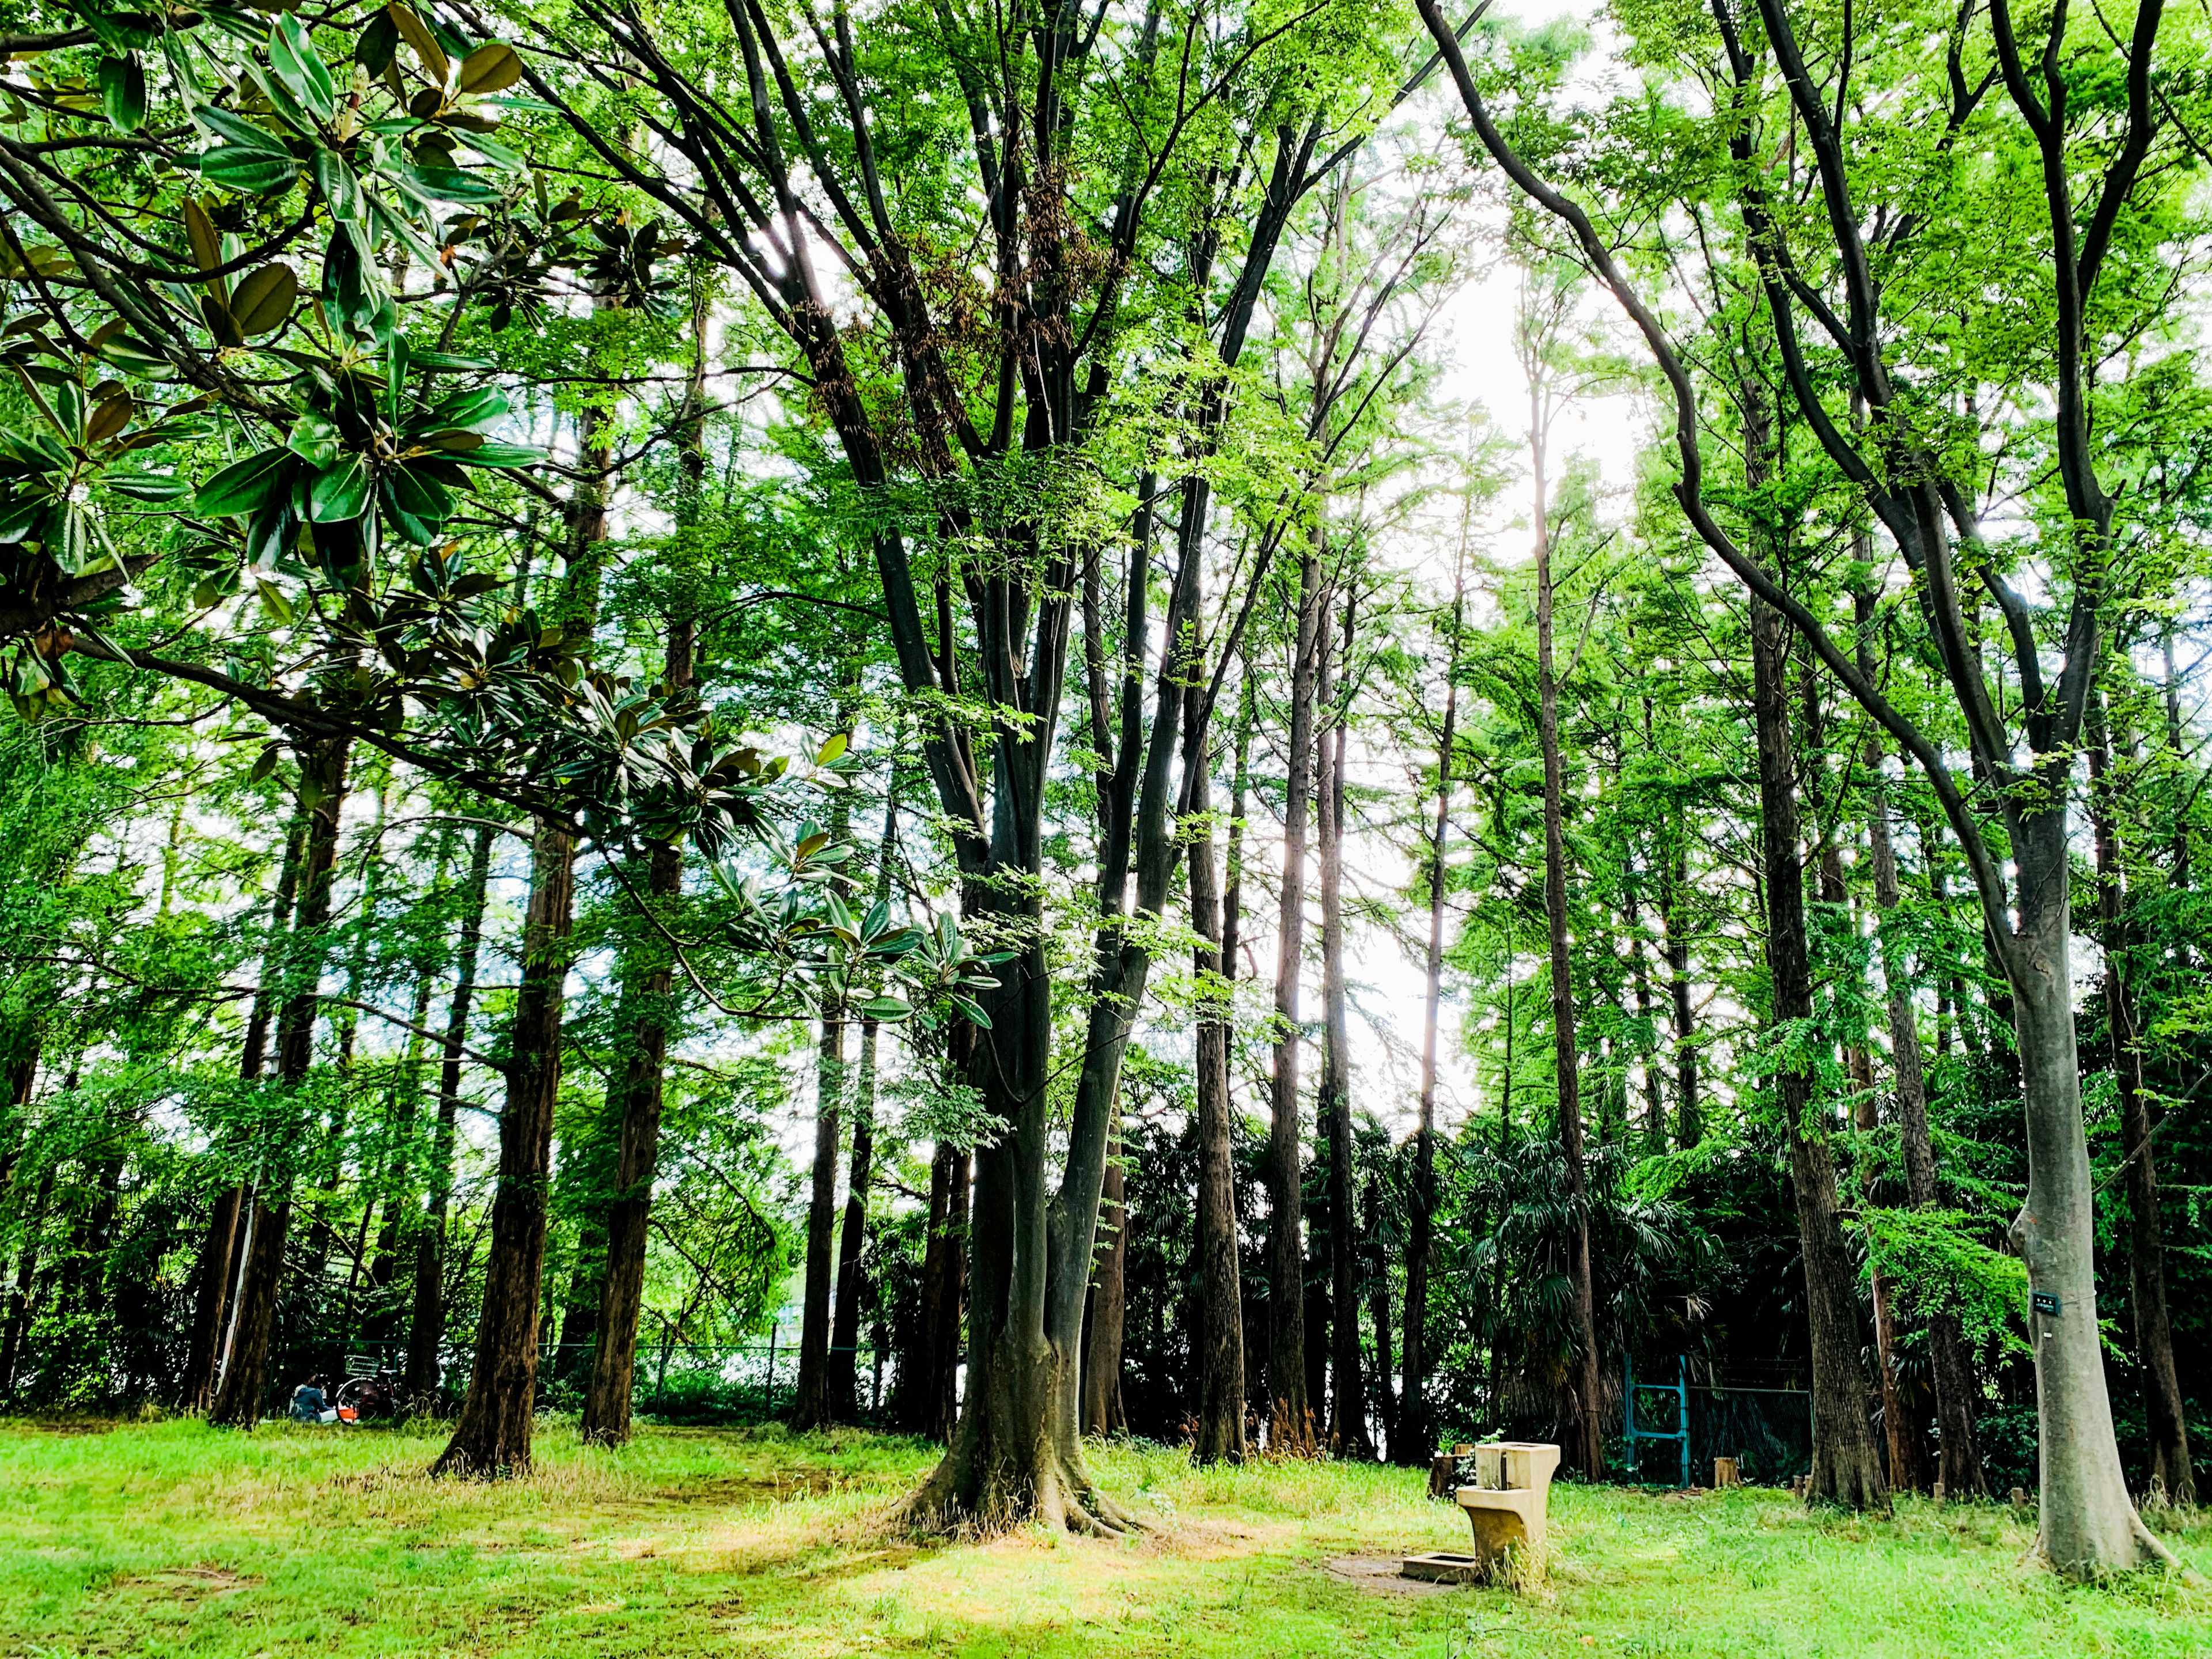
1378,1576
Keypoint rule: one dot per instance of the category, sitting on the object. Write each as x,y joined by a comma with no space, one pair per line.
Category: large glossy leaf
437,184
244,485
340,493
416,33
148,486
122,91
235,129
336,181
419,495
265,299
249,172
314,439
492,453
492,68
294,59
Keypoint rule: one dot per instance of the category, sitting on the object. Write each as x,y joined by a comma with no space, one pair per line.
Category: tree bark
238,1397
1348,1433
1586,1447
492,1437
426,1328
811,1403
219,1247
1846,1463
1413,1440
1958,1460
930,1401
2171,1476
1102,1413
1289,1416
1220,1338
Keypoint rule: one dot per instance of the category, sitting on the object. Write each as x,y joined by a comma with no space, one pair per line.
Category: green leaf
473,406
294,59
884,1008
433,184
244,485
419,496
274,602
237,129
427,51
379,43
335,181
249,172
839,742
314,439
491,68
492,453
148,486
972,1012
265,762
265,299
341,494
122,91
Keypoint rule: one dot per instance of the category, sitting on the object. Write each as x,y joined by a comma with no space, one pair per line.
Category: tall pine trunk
218,1261
426,1328
1413,1439
2170,1475
1846,1463
245,1378
1348,1434
1586,1447
1289,1416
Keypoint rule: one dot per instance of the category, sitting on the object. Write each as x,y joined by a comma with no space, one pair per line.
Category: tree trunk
1413,1440
1846,1463
19,1297
1377,1272
1689,1127
1958,1460
426,1328
811,1403
1289,1416
238,1397
629,1206
932,1401
1586,1447
219,1248
1221,1339
2171,1477
1103,1413
1348,1433
492,1435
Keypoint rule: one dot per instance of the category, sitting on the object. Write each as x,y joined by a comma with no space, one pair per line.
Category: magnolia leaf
113,415
249,172
839,742
200,232
341,494
244,485
416,34
294,59
491,68
265,299
122,91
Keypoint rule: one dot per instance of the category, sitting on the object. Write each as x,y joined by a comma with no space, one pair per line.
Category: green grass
171,1538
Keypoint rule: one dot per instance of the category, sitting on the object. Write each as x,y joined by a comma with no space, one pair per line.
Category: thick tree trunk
426,1328
1586,1447
1846,1462
245,1379
1411,1440
1348,1433
1102,1413
1220,1359
931,1400
491,1436
2171,1477
2088,1525
1958,1459
1289,1416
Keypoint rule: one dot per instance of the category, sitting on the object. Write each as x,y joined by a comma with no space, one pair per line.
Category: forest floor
172,1539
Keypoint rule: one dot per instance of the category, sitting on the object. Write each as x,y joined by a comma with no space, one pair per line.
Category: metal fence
1755,1418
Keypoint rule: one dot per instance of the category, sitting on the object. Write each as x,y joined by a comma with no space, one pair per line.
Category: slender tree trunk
2171,1477
1959,1462
811,1405
245,1379
1413,1440
1586,1450
1103,1411
1289,1416
427,1325
1846,1463
19,1297
1348,1433
1378,1273
1220,1342
933,1403
218,1248
1689,1127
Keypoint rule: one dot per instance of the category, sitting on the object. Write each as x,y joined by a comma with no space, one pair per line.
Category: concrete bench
1505,1508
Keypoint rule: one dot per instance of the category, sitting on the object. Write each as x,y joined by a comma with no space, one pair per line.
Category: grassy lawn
172,1539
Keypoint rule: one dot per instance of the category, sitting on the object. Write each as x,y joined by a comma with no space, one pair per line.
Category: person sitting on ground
307,1401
